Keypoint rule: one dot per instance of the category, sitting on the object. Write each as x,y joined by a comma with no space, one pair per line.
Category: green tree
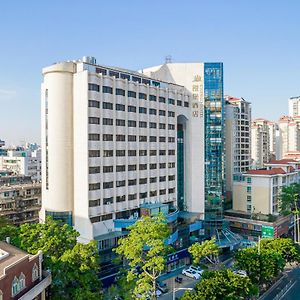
206,249
289,203
260,267
284,246
144,248
75,273
222,285
11,232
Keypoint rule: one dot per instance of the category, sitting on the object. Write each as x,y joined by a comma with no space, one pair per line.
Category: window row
110,153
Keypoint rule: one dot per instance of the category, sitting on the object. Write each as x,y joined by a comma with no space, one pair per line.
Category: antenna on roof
168,59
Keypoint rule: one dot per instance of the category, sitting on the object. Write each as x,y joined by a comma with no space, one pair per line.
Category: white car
240,272
190,273
196,269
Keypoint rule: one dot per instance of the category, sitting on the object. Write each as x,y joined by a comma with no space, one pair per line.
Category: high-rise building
116,141
205,82
263,142
294,106
238,140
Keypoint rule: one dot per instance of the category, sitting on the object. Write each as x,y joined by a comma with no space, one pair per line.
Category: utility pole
258,245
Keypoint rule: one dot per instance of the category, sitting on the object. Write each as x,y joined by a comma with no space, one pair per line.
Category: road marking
287,290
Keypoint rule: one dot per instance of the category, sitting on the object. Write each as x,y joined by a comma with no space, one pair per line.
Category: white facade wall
294,107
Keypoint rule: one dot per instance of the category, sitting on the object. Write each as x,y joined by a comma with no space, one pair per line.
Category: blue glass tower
214,141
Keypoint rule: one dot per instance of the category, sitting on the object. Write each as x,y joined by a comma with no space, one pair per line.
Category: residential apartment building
258,191
21,274
23,162
2,149
205,82
294,106
238,140
114,140
20,198
263,142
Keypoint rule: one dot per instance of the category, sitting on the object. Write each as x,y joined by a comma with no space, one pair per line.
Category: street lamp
178,289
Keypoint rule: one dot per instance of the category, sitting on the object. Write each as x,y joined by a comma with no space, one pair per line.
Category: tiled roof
282,161
274,171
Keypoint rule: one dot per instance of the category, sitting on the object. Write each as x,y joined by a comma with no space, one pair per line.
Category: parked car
162,286
157,292
240,272
197,269
190,273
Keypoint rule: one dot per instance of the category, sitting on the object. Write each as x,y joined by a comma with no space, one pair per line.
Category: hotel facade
117,144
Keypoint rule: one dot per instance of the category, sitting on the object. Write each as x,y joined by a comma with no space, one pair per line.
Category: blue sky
258,41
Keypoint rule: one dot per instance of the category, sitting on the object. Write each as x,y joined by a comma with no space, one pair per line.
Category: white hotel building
114,140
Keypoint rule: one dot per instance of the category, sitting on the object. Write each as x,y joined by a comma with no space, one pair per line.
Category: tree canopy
145,251
222,285
206,249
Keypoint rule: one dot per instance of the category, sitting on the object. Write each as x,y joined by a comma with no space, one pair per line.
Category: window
125,76
162,192
142,152
108,153
120,92
152,138
107,217
131,138
107,105
94,103
143,180
153,152
248,189
171,177
153,193
115,74
132,197
171,127
142,110
153,179
142,96
143,138
15,286
171,139
172,190
94,137
120,122
120,183
131,94
108,169
101,71
146,81
107,121
136,79
162,99
249,179
108,185
95,219
171,152
162,112
143,167
131,108
153,166
162,126
131,123
142,124
120,168
171,165
94,170
93,120
152,111
94,87
152,125
109,200
171,101
162,139
35,273
131,152
186,104
94,153
107,90
107,137
121,198
131,167
120,138
179,102
94,186
162,178
93,203
131,182
171,114
152,98
162,152
120,107
120,152
143,195
162,165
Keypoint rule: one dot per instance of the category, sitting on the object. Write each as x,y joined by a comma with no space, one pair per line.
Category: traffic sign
267,231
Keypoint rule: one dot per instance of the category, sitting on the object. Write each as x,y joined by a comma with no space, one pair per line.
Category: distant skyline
256,40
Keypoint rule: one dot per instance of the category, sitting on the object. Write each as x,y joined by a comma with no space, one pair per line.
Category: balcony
38,288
